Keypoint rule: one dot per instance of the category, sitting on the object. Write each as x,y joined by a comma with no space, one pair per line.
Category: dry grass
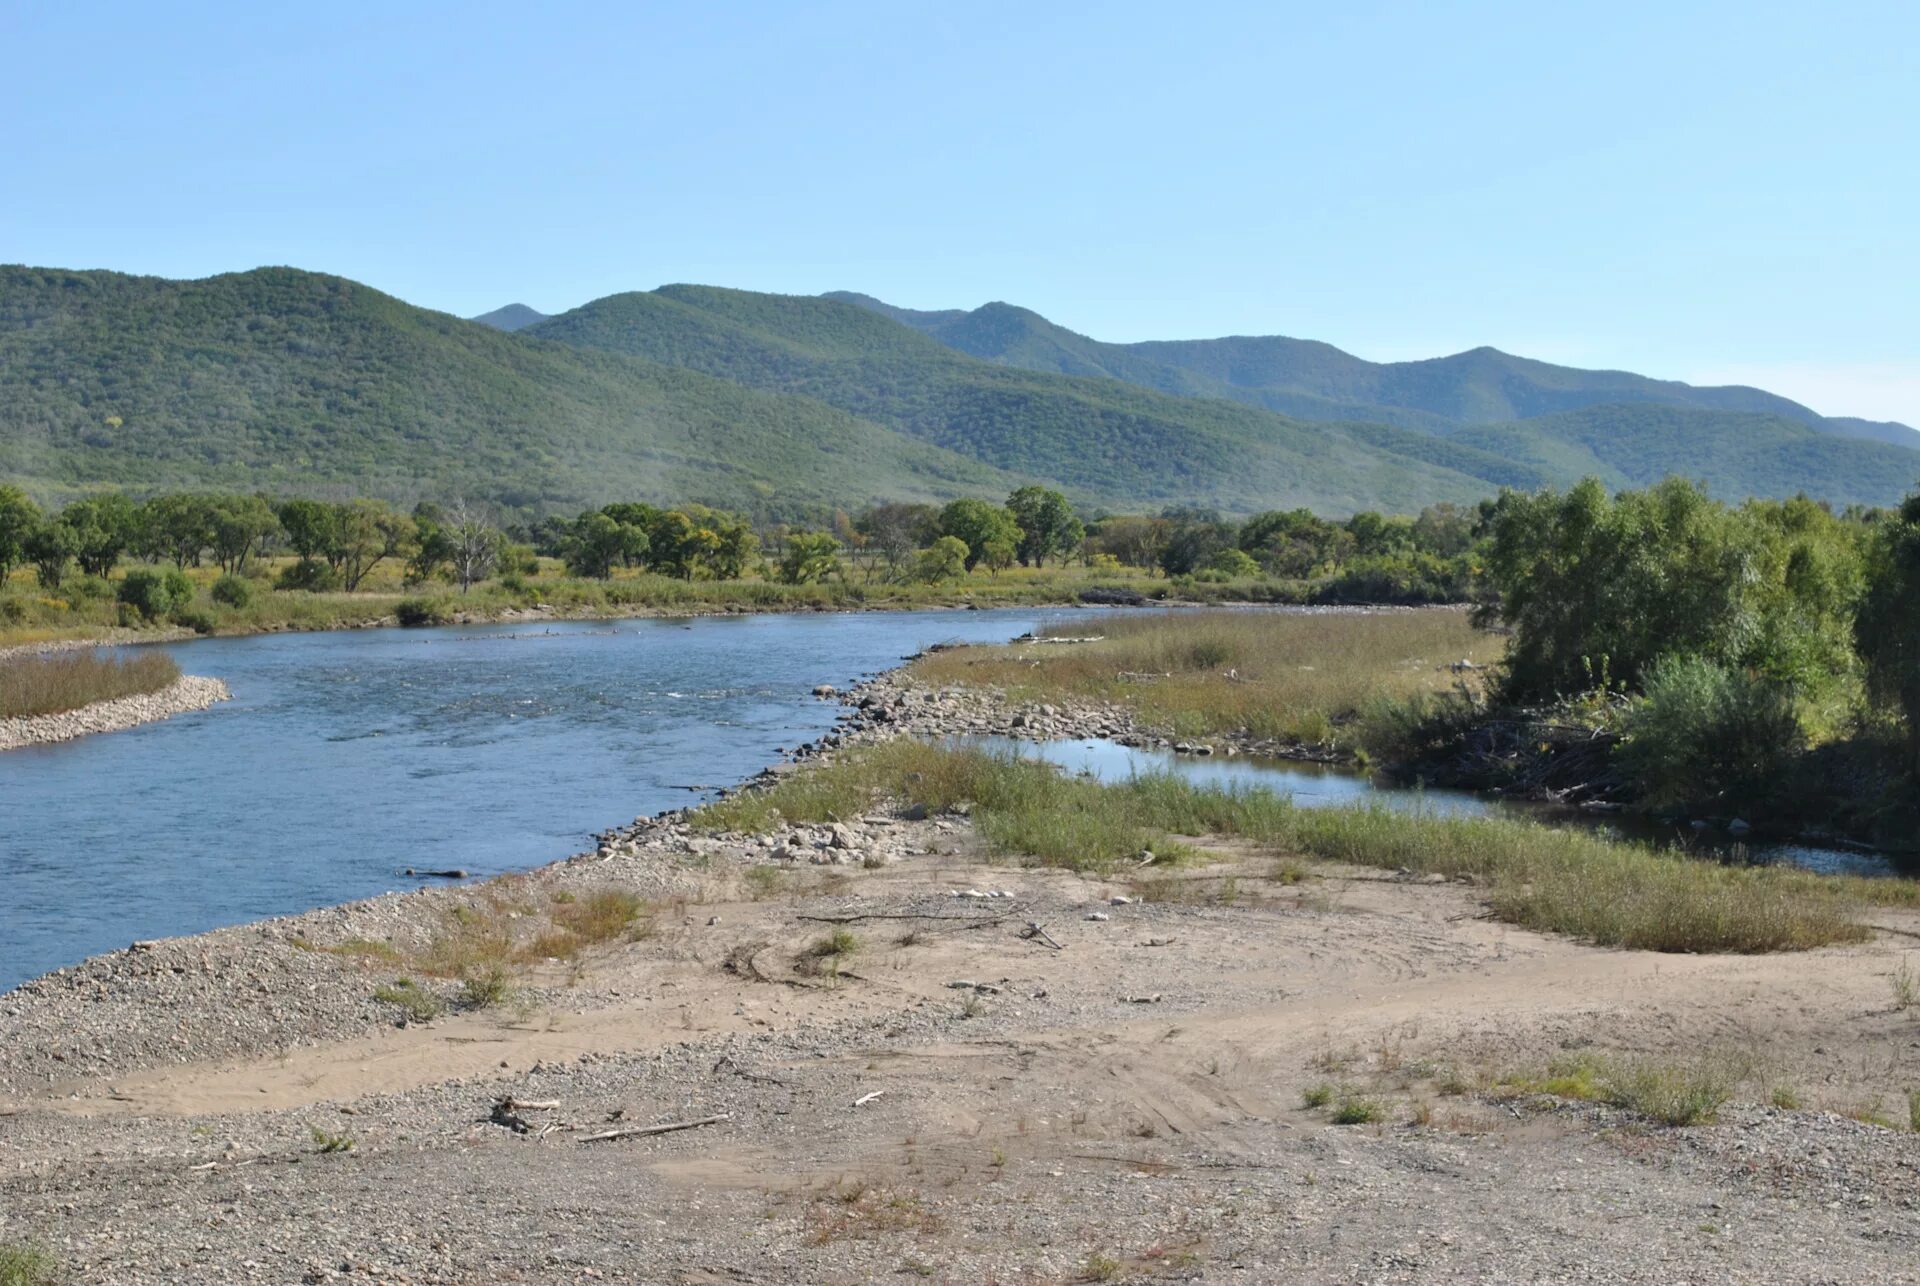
854,1210
1683,1092
61,681
1297,677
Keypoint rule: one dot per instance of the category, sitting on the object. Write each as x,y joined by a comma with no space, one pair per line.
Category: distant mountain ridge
510,318
1313,380
791,406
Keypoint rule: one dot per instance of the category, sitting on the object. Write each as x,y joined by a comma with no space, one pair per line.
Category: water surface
345,757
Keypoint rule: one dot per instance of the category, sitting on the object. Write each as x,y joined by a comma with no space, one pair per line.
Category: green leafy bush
1705,729
232,591
423,611
309,574
155,594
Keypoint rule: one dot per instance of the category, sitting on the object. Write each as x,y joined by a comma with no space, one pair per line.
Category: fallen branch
901,915
644,1131
865,1099
1035,930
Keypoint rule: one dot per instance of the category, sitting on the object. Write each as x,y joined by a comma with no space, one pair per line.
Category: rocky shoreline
183,696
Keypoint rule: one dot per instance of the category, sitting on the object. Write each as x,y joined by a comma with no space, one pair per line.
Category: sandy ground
1126,1106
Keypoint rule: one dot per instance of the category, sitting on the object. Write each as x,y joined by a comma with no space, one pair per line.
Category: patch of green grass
1556,881
1685,1092
326,1143
419,1004
1317,1095
840,942
1300,678
1913,1110
25,1264
1355,1110
1786,1098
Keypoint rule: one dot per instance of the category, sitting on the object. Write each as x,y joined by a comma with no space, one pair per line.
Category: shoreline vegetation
67,695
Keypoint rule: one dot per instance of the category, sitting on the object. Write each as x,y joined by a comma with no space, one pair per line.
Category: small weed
908,939
1317,1095
1913,1110
1289,872
972,1006
1906,987
1422,1113
763,882
486,987
1871,1113
1100,1267
325,1143
1786,1098
1357,1111
419,1004
999,1159
841,942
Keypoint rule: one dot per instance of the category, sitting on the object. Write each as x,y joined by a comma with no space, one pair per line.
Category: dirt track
1130,1104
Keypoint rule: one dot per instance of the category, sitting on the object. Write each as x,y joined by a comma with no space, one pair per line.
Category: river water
346,757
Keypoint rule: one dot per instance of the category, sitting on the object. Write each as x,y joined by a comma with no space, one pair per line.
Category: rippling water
345,757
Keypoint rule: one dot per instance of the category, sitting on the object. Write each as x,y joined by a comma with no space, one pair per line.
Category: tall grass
1298,677
56,682
1555,881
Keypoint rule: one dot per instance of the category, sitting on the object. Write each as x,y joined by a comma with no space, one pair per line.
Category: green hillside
1106,440
1312,380
292,380
1735,455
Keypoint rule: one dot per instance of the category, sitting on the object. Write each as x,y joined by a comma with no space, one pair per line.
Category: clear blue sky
1701,191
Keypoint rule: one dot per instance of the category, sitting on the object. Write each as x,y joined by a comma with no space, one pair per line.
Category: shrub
1704,730
232,591
309,574
87,588
423,611
155,594
1233,564
198,622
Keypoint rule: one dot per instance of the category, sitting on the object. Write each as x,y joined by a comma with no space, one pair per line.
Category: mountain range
785,405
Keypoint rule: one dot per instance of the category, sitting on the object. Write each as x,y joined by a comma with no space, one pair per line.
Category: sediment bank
185,695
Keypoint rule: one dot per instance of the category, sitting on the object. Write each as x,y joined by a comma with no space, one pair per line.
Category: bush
198,622
155,594
1704,730
309,574
415,612
81,588
232,591
1233,564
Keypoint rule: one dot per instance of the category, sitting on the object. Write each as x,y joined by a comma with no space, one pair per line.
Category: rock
826,690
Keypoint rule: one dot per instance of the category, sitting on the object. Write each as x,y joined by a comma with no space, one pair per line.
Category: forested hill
510,317
297,381
1313,380
1113,442
300,382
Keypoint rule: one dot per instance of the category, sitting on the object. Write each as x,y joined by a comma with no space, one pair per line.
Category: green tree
1193,536
598,541
981,527
941,561
894,530
236,525
735,551
50,548
366,533
809,557
178,527
1048,525
103,527
1888,624
312,527
18,518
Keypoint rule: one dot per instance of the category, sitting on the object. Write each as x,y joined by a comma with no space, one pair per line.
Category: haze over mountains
292,380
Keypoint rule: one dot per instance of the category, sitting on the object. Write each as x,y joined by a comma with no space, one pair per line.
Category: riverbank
1230,1064
185,695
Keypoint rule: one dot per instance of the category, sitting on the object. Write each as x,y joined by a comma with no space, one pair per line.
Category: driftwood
452,873
901,915
1035,931
644,1131
865,1099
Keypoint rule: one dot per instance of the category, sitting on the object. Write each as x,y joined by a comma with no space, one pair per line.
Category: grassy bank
86,607
1308,678
61,681
1555,881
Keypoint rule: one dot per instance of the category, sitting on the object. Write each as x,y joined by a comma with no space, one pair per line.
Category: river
346,757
